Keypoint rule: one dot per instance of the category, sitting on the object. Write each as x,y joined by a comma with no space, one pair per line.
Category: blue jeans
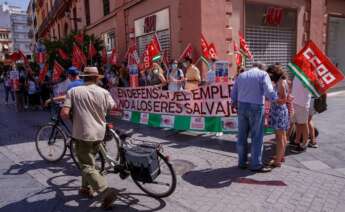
250,120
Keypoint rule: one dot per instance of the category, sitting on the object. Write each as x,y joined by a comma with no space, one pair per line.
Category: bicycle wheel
164,185
100,162
111,144
51,142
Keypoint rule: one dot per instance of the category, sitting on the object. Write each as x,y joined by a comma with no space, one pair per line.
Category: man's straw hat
90,72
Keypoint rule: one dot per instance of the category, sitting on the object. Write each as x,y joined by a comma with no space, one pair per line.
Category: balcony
58,7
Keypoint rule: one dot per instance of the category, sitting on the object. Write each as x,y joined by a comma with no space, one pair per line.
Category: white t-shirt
301,94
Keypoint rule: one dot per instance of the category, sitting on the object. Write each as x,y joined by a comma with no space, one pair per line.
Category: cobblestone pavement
208,179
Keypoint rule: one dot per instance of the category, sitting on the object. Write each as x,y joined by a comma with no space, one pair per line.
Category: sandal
313,145
274,157
273,164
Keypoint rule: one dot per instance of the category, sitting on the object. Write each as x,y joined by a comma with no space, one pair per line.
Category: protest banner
207,108
315,70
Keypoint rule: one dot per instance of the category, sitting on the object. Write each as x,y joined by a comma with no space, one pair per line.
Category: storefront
154,23
271,33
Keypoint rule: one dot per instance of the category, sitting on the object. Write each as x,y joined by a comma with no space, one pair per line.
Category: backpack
320,104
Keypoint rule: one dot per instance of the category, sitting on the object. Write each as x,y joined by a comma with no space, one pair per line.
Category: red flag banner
245,48
79,38
315,70
62,54
78,58
156,42
104,56
204,47
212,51
113,57
91,51
154,52
147,62
187,52
57,71
15,56
43,73
238,54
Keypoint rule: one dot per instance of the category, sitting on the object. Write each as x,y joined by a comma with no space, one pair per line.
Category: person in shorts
301,104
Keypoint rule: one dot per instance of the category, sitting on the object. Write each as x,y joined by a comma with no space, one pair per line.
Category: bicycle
54,138
114,157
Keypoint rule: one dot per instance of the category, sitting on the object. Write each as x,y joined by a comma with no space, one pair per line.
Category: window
87,11
109,39
106,7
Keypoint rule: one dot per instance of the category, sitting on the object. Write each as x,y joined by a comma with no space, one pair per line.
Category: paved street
208,179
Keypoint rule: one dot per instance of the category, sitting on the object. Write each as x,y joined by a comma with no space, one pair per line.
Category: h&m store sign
154,22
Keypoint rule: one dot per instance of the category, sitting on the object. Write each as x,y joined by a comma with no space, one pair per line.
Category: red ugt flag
43,73
187,52
78,58
104,56
204,47
245,48
79,38
113,57
62,54
91,51
57,71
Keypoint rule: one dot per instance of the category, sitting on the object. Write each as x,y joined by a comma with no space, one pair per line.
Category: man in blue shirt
248,93
73,75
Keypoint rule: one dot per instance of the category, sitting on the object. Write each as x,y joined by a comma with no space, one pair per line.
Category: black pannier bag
143,163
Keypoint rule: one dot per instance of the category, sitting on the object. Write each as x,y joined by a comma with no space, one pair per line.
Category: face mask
185,65
174,66
155,71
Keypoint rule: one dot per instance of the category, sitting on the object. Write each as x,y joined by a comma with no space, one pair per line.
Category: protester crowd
291,105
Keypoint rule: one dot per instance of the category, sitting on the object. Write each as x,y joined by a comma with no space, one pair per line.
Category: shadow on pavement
224,177
65,166
61,195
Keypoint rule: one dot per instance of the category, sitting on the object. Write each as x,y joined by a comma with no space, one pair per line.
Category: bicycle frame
113,163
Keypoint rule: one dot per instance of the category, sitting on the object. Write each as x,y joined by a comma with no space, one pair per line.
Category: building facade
15,20
274,30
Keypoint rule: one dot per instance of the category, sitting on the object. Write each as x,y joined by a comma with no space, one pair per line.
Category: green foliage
66,44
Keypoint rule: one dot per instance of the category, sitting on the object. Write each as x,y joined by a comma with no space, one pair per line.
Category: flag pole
89,52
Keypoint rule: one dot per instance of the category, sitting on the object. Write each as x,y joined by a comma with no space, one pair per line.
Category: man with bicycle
89,105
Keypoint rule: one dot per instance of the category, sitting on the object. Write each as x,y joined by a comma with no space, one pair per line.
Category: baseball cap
73,70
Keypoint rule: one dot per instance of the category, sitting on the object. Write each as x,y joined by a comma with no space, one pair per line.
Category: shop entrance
270,38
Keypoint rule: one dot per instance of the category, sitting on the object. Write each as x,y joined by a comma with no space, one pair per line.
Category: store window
271,33
109,40
156,23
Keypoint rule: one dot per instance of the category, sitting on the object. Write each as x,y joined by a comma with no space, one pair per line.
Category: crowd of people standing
291,111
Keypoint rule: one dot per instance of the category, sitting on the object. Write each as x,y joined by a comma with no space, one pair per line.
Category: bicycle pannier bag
143,163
